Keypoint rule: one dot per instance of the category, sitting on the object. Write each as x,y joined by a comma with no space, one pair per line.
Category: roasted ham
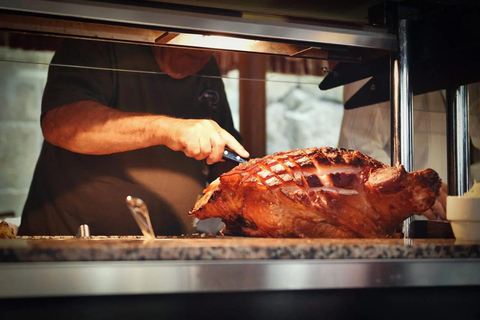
317,193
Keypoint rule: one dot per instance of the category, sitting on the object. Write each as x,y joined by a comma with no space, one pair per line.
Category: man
122,120
367,129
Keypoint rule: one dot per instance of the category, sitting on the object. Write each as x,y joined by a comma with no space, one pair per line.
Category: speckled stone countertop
229,248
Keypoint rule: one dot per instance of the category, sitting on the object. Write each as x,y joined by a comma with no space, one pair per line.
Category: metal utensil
83,231
139,210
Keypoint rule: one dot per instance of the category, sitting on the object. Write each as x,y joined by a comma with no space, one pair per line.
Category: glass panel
227,60
298,113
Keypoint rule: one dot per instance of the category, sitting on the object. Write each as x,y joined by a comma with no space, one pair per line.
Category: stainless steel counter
106,266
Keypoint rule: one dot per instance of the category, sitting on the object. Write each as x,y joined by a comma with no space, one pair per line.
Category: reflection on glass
374,139
298,114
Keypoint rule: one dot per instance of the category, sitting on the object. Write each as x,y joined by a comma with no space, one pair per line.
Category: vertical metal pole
402,108
458,141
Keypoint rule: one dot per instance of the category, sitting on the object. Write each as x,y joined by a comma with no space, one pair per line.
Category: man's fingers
217,149
207,140
197,149
439,207
439,210
444,188
429,215
205,148
233,144
442,199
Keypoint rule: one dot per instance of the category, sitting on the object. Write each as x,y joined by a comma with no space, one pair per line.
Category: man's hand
201,139
438,211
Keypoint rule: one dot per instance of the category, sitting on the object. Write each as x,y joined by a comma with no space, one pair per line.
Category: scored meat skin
317,193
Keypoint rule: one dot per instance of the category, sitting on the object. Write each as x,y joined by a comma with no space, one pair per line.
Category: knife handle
232,156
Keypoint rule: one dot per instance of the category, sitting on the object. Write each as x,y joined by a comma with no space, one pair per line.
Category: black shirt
71,189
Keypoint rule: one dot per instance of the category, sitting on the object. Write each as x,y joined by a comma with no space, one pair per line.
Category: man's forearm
89,127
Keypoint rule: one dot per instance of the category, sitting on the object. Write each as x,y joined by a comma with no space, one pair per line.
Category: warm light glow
218,42
228,43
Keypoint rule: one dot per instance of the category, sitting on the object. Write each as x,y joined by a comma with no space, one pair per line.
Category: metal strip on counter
21,280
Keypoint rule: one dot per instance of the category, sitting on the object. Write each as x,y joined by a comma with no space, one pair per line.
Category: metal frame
402,102
160,277
183,21
402,108
458,141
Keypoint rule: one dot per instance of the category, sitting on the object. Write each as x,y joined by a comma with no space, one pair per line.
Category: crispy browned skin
317,192
6,231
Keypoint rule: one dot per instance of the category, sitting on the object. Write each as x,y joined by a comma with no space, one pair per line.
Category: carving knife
232,156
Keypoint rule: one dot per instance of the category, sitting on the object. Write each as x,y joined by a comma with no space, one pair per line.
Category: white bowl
466,230
464,216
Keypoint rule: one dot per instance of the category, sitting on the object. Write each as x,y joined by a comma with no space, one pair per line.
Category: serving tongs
139,210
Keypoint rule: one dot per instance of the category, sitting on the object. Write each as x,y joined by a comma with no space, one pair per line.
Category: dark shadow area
389,303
